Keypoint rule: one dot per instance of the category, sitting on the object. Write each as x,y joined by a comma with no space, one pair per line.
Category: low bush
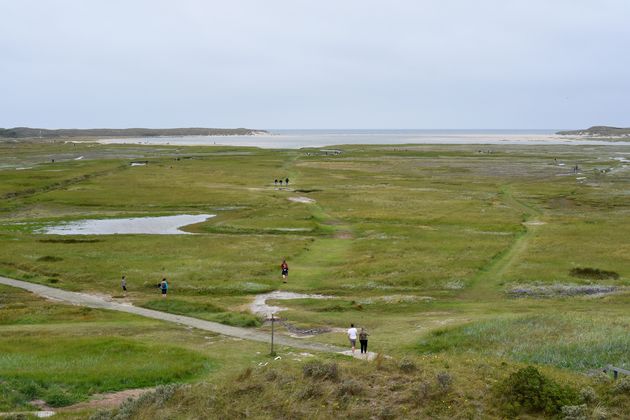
444,381
593,273
310,391
59,397
588,395
529,391
407,366
350,387
49,258
319,370
575,412
622,387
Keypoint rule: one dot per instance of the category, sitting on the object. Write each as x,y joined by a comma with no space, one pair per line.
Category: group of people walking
362,335
353,332
163,286
279,180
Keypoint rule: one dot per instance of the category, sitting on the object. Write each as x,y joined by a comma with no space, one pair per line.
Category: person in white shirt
352,336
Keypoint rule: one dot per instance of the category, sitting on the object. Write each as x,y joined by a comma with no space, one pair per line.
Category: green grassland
62,354
418,243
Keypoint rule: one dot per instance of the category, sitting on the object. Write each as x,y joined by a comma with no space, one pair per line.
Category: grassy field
419,244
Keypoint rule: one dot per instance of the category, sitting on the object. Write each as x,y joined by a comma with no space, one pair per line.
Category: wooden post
273,319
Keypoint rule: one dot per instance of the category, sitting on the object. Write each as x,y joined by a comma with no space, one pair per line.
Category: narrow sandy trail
84,299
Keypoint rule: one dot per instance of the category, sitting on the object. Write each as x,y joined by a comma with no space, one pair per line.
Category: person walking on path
275,182
352,336
286,181
123,285
164,287
363,338
285,270
281,182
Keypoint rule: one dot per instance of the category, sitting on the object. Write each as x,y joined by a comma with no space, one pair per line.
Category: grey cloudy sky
315,64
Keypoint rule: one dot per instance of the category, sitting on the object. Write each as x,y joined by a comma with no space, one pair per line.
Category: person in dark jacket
285,270
164,287
363,339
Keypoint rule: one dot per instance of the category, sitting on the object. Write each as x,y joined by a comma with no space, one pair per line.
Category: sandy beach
306,139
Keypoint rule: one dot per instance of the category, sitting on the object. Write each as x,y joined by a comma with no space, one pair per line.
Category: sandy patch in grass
561,290
259,305
393,299
535,223
108,400
304,200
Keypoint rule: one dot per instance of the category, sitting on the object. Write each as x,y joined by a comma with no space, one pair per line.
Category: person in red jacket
285,270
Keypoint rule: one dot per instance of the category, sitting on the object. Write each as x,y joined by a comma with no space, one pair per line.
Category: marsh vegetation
419,244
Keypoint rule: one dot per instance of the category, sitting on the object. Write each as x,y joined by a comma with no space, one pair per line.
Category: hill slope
598,130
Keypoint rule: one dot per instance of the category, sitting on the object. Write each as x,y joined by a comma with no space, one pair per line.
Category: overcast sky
315,64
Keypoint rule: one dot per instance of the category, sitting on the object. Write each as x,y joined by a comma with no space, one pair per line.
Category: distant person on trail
123,284
164,287
352,336
363,338
285,270
281,183
286,181
275,182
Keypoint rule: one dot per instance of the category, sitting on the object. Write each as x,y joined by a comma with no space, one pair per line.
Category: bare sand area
259,305
305,140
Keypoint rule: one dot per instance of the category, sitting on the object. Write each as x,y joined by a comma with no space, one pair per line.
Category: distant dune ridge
598,130
27,132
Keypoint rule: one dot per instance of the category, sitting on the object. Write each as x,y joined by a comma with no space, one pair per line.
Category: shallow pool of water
162,225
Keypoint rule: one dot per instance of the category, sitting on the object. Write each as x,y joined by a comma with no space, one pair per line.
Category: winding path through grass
488,278
84,299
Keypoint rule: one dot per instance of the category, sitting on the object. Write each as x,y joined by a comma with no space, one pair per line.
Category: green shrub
528,390
59,397
30,390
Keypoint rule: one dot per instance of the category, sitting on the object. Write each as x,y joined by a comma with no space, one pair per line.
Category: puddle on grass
260,307
304,200
162,225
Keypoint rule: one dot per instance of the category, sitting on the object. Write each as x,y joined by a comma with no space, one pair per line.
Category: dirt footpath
91,301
